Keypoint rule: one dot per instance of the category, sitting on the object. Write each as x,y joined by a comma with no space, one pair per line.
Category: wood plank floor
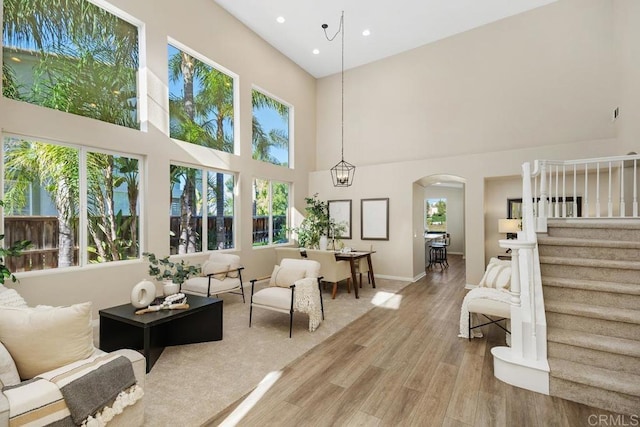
406,367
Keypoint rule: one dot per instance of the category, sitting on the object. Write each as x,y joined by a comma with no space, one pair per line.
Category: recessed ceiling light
316,51
366,33
280,19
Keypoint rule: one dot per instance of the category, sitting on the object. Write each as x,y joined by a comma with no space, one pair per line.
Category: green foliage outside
436,214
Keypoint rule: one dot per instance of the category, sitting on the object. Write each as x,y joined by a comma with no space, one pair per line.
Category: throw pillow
8,372
497,275
11,298
285,277
43,339
218,269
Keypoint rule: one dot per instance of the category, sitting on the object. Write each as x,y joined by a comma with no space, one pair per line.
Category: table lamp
510,227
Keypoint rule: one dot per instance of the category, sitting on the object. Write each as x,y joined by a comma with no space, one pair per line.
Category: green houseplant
163,269
13,250
317,224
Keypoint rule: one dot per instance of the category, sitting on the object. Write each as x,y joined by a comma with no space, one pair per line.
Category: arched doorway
446,191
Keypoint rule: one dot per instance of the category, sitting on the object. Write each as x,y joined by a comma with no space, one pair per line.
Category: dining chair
332,270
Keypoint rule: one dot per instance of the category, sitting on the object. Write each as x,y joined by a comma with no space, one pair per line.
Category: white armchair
293,286
332,270
490,299
221,273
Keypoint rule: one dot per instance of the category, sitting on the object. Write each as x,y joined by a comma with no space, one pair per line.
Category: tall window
70,221
270,212
73,57
200,102
193,190
270,129
435,214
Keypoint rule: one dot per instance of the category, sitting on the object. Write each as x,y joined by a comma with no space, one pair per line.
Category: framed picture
374,219
340,212
514,207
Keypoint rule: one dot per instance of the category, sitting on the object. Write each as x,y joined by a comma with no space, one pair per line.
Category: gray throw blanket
99,388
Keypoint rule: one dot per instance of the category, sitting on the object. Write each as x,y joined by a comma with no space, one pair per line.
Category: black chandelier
342,173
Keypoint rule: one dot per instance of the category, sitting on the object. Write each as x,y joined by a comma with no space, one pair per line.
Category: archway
438,187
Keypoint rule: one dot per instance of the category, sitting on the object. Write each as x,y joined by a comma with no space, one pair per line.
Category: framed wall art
340,212
374,219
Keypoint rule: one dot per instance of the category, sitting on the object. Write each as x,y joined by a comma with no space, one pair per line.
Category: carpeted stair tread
594,311
588,262
612,401
576,241
621,382
592,285
599,223
593,341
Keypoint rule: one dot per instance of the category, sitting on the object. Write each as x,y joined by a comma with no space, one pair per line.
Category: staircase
591,283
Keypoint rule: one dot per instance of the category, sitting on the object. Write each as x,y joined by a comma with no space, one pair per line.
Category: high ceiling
395,26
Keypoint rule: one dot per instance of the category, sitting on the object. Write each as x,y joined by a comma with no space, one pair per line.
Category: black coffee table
120,327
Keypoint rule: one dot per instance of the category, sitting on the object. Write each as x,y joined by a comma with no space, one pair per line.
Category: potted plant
315,224
173,274
13,250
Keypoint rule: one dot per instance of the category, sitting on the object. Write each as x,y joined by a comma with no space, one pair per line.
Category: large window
192,191
201,100
436,215
270,136
72,56
70,220
270,212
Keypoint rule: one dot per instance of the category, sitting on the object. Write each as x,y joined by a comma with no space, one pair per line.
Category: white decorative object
143,294
324,243
170,288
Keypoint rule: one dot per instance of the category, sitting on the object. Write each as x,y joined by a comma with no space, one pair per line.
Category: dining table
352,257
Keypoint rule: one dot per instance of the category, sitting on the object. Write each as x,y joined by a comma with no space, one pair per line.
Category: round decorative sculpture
143,294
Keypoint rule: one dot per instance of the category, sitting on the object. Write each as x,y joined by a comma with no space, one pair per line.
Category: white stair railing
571,189
524,363
586,188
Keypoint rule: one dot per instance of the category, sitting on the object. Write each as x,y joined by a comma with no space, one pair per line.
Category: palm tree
200,119
263,141
89,57
88,64
56,169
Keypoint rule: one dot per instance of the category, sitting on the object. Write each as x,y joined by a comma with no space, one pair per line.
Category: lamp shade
508,225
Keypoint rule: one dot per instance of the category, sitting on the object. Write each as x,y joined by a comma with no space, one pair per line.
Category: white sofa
54,345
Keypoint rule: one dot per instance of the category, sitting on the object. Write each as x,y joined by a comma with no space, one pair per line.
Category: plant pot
170,288
324,243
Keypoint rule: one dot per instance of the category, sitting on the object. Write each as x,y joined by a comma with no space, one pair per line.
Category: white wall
209,30
476,105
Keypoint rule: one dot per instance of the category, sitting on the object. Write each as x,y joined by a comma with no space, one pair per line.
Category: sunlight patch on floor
243,409
386,300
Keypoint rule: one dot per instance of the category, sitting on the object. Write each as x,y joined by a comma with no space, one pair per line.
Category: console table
151,332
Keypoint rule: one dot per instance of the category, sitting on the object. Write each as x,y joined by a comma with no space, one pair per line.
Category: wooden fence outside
43,233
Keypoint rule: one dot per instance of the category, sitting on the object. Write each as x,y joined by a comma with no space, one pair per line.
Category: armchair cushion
199,285
285,276
218,269
274,297
497,275
11,298
231,259
41,339
8,371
